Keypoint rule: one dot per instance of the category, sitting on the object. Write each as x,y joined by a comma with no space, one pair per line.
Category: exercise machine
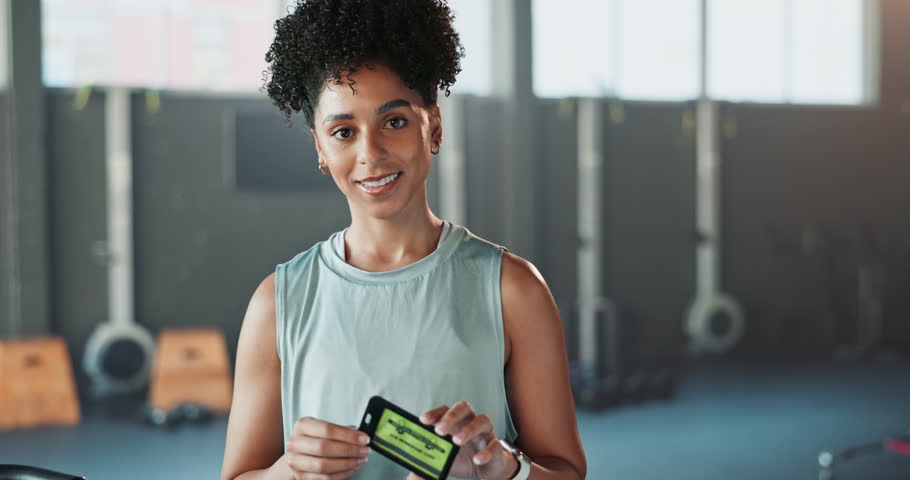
118,355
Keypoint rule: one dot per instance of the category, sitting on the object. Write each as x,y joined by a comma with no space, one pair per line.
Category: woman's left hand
481,454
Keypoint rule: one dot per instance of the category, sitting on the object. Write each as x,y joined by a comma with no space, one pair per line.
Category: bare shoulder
257,333
522,283
263,300
527,304
520,273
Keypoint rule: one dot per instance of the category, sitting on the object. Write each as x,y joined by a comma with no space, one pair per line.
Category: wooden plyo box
191,366
36,384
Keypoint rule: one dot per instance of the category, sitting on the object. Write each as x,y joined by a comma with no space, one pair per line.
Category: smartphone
400,436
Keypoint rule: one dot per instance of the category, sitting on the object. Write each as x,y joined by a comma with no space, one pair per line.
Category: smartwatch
524,463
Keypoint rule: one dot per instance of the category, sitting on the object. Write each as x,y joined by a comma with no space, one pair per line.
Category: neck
387,243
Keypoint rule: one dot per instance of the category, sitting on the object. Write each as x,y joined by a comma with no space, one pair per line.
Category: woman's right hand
319,450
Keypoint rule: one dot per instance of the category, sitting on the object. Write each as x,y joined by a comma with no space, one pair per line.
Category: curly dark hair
330,39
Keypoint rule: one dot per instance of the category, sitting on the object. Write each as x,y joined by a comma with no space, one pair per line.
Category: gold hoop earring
323,169
434,150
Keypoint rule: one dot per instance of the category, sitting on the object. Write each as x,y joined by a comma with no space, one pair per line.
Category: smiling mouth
380,186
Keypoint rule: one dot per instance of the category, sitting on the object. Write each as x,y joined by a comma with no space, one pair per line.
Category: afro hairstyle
322,40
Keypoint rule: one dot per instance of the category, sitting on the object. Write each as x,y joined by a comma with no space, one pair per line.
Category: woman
400,304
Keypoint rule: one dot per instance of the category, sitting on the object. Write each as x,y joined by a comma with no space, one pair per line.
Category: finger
457,414
312,427
414,476
433,416
462,423
480,425
322,465
320,447
493,450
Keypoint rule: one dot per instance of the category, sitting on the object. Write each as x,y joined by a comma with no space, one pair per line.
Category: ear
435,124
318,146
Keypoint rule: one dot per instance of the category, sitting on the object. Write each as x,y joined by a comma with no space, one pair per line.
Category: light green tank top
421,336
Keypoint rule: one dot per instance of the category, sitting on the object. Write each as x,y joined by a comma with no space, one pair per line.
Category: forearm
553,468
544,468
278,471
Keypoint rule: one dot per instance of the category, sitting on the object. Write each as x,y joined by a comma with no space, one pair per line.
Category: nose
372,148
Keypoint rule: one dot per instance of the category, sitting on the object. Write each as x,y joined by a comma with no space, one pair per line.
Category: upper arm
255,438
537,373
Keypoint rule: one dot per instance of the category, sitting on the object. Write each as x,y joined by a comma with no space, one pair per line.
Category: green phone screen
411,443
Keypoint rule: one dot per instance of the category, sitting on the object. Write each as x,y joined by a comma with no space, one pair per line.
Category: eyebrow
337,116
385,107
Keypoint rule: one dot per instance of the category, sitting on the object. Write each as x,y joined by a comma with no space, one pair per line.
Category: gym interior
715,192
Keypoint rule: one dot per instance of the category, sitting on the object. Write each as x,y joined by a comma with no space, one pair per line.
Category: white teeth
380,182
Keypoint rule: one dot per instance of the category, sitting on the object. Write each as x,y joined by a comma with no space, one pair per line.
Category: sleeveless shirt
421,336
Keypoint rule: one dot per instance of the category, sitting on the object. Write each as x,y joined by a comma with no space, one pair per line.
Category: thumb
414,476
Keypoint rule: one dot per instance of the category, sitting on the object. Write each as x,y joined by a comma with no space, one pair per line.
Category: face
376,142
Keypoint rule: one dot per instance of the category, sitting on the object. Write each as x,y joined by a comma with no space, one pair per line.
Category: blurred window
573,55
828,52
658,49
802,51
747,50
201,44
4,46
474,24
173,44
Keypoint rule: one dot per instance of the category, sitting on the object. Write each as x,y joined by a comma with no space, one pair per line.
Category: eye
397,122
342,133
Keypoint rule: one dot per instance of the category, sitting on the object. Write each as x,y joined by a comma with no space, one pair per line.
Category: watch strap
524,463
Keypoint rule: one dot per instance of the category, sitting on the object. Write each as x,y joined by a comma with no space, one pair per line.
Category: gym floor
731,421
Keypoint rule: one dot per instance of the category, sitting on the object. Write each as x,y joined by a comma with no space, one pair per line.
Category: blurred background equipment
24,472
182,413
36,384
860,275
715,321
118,355
191,366
609,371
598,368
828,461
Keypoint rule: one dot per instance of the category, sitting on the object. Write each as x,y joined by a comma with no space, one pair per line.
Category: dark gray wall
556,187
26,307
4,212
484,166
804,190
649,216
75,151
